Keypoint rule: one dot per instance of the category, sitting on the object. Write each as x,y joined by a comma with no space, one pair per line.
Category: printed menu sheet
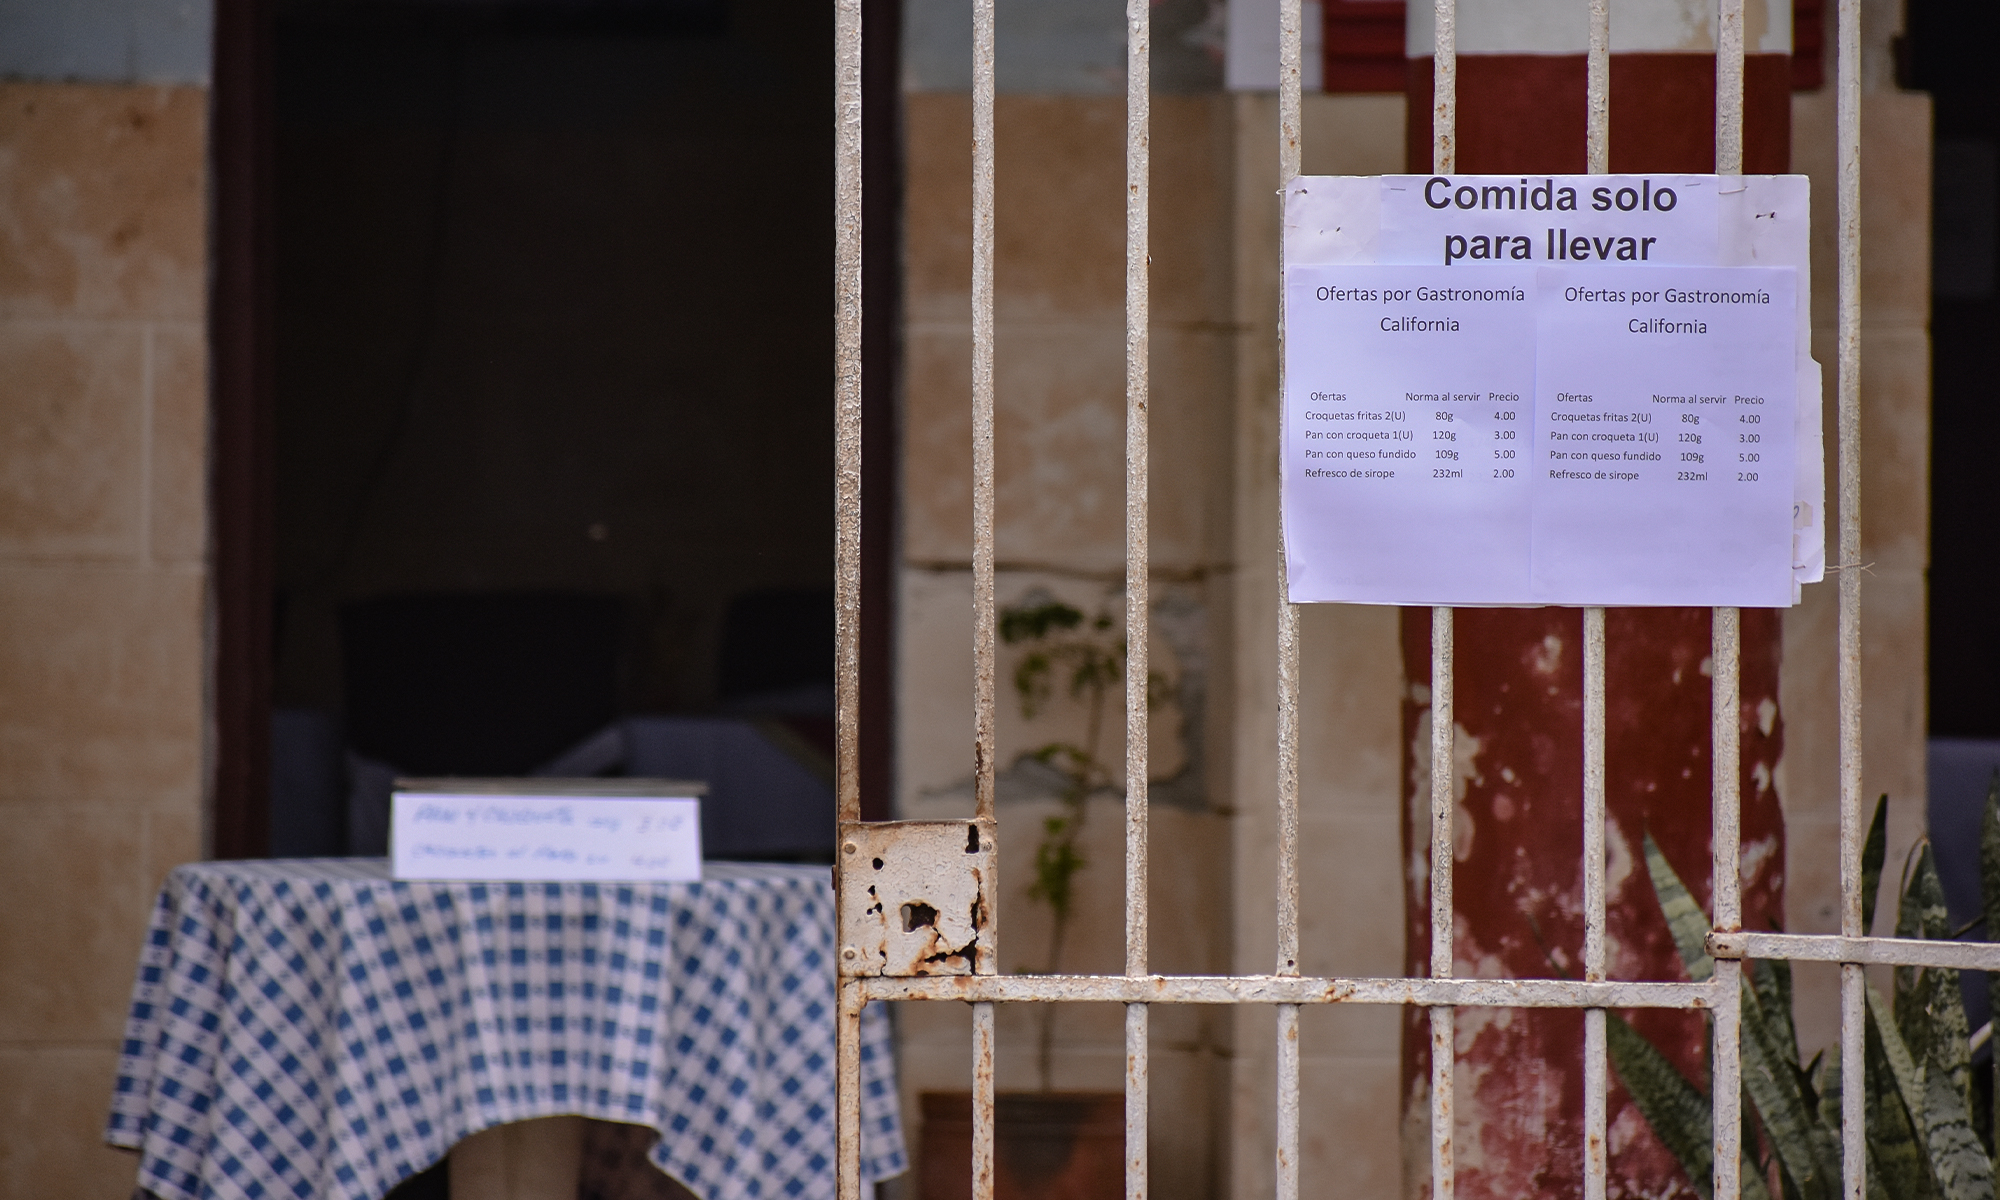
1544,424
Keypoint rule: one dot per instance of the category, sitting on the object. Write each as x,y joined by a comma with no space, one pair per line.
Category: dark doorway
1948,53
548,333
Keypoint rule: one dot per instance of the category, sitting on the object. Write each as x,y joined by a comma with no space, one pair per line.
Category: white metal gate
877,862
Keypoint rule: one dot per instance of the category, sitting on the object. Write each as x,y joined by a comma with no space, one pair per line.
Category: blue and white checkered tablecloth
312,1029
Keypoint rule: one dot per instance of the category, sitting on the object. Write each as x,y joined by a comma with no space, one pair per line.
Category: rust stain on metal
917,898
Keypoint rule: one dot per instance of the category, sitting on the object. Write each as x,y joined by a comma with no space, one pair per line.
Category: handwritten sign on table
544,838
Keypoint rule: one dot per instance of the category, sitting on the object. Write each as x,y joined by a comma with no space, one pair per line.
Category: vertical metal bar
982,1101
1729,88
847,542
1138,611
1444,1052
1726,763
1725,843
1595,1159
1597,90
1291,116
1444,88
1726,707
847,403
983,617
1137,1069
1596,1156
1848,131
847,1091
1726,1076
983,613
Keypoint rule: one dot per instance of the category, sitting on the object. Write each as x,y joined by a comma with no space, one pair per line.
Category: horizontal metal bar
1828,947
1291,989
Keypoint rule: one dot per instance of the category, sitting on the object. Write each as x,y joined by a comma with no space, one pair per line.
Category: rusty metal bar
1444,160
1729,88
1597,90
1291,990
1291,115
847,404
1444,92
984,617
983,612
1443,1036
1138,671
1725,844
1595,1081
1596,1154
1726,704
1868,951
847,543
847,1087
982,1099
1137,605
1847,88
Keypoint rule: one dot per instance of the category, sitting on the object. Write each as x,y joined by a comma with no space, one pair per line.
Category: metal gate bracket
917,898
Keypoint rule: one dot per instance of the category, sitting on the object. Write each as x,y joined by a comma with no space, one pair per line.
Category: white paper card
435,835
1408,415
1663,436
1540,435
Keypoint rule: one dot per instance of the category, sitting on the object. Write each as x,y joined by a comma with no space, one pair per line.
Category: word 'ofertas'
1547,196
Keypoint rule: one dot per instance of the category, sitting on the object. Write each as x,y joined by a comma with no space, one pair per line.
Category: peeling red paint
1518,884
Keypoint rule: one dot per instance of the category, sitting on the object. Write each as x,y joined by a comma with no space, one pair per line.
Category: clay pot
1047,1146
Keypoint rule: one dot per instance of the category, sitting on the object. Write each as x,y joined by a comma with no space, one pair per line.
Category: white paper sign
1663,436
437,835
1606,222
1403,385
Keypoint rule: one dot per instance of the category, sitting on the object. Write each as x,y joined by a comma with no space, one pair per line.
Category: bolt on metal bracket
917,898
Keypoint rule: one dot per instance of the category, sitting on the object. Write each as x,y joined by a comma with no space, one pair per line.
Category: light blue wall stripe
106,41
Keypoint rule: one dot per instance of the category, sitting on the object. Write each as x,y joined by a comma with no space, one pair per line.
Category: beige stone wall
1895,524
1060,447
103,431
1350,663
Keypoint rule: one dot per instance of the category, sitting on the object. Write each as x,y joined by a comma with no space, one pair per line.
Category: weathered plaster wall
1895,520
1060,435
103,433
1349,751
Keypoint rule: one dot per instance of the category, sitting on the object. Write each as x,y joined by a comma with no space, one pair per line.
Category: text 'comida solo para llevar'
1557,243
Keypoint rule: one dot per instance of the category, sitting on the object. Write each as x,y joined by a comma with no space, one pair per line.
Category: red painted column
1519,698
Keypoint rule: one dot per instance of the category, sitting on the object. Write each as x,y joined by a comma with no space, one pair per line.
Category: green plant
1925,1138
1087,656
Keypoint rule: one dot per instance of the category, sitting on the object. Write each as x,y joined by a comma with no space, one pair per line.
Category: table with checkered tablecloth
313,1029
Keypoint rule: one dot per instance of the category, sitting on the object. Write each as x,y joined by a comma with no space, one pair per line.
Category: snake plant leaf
1935,1029
1963,1171
1931,1012
1922,915
1897,1153
1679,1115
1903,1072
1770,1077
1873,851
1771,979
1685,920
